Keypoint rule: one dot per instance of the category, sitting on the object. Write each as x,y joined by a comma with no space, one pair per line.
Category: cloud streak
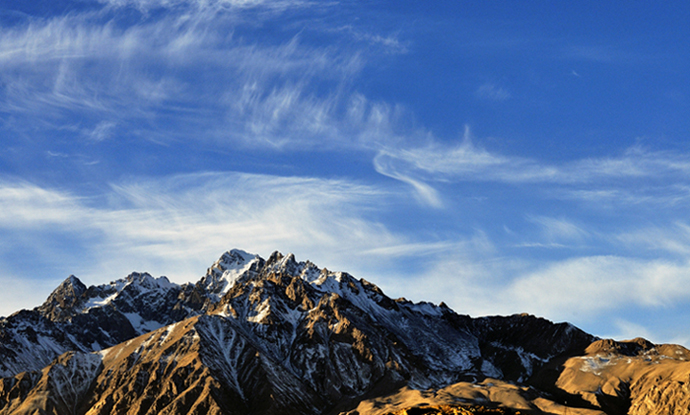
146,5
186,76
658,175
154,89
492,92
578,289
179,225
469,162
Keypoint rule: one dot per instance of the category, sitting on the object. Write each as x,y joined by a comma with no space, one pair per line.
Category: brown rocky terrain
285,337
456,410
169,371
488,396
632,377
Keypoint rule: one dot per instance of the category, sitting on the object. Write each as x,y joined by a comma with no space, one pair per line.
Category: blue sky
499,157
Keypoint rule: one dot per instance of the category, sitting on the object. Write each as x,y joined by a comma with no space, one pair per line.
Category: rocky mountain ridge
278,336
80,318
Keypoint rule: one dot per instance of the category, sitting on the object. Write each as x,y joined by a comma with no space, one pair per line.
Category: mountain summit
278,336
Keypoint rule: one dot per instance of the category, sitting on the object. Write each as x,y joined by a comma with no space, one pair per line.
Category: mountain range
278,336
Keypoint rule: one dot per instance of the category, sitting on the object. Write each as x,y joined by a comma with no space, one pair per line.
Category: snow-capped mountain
75,317
257,336
232,265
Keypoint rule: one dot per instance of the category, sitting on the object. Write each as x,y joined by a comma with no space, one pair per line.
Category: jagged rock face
635,377
518,345
60,304
278,336
342,335
198,366
59,389
221,276
75,317
28,341
162,373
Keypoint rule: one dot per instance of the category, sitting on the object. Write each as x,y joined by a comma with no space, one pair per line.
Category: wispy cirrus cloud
671,239
70,65
577,289
187,76
390,43
146,5
424,192
604,177
587,285
466,161
103,131
559,231
23,205
178,225
492,92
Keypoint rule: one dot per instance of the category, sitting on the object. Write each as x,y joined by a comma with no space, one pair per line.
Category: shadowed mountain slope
278,336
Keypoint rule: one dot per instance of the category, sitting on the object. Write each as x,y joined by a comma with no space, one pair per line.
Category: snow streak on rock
255,336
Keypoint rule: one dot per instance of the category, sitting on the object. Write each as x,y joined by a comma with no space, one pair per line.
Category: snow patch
262,311
223,275
426,308
595,364
168,329
142,283
140,325
99,301
71,378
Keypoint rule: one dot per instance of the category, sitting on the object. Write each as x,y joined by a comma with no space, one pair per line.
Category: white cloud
102,131
637,176
389,43
591,291
284,117
185,78
73,65
673,239
263,211
555,230
146,5
425,193
468,277
462,162
588,285
492,92
23,205
178,226
467,161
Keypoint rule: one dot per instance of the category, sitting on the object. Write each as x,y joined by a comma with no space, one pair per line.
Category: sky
502,157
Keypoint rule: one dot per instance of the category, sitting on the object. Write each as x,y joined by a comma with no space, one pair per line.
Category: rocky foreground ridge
278,336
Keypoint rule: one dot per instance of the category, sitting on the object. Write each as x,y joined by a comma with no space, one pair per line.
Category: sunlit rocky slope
278,336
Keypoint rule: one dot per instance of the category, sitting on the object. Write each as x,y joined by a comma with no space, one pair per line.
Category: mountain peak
240,254
63,299
284,336
145,280
72,283
227,270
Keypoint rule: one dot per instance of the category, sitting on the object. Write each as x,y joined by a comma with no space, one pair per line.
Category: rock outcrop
279,336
